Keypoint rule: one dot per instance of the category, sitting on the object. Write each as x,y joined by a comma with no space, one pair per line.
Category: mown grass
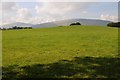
76,51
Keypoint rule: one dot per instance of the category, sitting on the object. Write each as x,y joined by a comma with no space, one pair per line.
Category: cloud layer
108,17
59,0
49,11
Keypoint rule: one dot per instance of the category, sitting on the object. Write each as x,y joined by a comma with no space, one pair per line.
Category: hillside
20,24
61,52
91,22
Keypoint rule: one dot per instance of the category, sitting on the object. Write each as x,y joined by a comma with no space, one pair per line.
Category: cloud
54,8
8,6
61,10
8,9
84,12
108,17
39,19
59,0
61,7
13,13
23,13
75,0
48,11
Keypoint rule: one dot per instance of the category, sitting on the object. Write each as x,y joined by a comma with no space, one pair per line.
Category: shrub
114,24
76,23
15,27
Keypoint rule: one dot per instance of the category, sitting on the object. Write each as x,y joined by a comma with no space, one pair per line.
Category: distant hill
19,24
49,24
69,21
93,22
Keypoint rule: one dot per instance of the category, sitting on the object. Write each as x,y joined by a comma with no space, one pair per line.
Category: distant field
76,51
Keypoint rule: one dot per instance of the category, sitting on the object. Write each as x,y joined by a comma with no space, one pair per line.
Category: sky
37,12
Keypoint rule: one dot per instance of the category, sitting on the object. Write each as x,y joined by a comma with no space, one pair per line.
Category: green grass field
70,52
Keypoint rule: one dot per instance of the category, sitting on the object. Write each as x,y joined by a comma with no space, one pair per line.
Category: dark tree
72,24
29,27
15,27
25,27
114,24
76,23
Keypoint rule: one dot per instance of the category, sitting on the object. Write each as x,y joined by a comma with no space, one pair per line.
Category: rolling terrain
92,22
61,52
67,22
20,24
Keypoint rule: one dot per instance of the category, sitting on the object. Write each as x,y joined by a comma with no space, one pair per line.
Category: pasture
61,52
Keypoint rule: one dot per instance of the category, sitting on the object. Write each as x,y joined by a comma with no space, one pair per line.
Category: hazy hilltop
93,22
20,24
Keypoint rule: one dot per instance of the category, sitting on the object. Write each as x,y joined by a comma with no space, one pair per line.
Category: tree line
111,24
114,24
15,27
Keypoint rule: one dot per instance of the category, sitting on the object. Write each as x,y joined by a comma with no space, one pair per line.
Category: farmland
61,52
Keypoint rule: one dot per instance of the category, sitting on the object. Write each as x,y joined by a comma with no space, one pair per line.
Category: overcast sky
41,12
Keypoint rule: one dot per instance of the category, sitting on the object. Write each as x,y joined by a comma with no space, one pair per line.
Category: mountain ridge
67,22
20,24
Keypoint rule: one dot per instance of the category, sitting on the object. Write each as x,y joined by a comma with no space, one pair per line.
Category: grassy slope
44,51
